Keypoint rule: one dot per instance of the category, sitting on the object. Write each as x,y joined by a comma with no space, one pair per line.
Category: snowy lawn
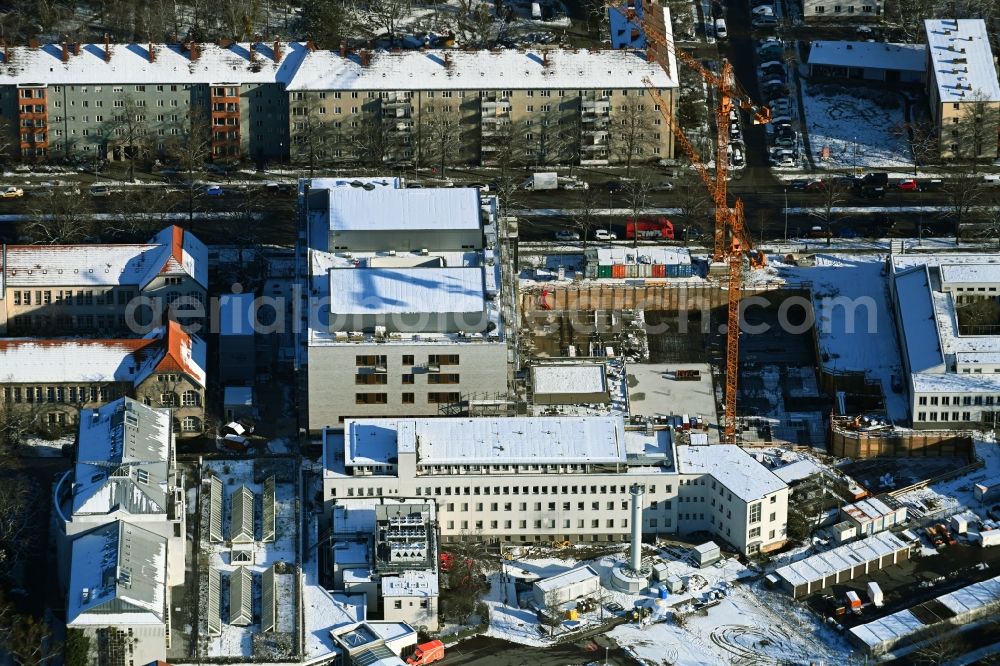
36,447
854,125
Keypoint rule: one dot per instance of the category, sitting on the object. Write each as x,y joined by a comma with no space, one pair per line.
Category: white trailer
989,538
542,180
875,594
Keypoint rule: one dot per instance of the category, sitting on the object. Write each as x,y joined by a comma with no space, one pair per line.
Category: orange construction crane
732,241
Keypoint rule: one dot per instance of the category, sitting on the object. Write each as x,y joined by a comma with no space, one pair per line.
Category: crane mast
730,238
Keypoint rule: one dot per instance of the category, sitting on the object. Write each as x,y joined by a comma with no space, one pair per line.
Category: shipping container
989,538
672,270
959,524
659,270
685,270
604,271
853,600
645,270
631,270
875,594
651,228
618,271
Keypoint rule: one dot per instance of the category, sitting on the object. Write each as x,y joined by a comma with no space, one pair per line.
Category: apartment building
847,11
89,289
101,100
539,479
403,296
951,364
56,379
480,107
963,88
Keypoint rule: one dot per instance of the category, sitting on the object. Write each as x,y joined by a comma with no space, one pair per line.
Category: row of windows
81,297
551,506
380,378
944,416
546,524
60,394
433,398
119,89
837,9
966,400
41,322
408,359
430,94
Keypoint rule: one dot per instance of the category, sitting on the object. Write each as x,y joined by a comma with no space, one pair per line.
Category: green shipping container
604,271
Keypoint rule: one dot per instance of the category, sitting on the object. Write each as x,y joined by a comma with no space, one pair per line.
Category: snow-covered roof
389,209
961,60
798,470
487,441
929,382
920,330
118,576
842,558
172,251
671,256
411,584
887,629
731,466
64,360
974,273
171,63
972,597
123,459
567,578
870,55
236,314
569,379
479,70
904,623
868,510
370,291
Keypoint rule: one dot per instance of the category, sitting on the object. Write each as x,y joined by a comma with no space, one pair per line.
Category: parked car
739,159
614,186
100,191
215,191
279,188
720,29
566,235
784,158
734,132
845,181
605,235
818,185
763,10
663,186
799,184
818,232
785,141
11,192
766,21
908,185
872,192
482,187
780,108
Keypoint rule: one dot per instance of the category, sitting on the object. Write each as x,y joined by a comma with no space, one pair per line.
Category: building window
443,398
408,399
443,359
168,399
371,398
372,378
446,378
190,399
755,513
191,424
369,360
408,378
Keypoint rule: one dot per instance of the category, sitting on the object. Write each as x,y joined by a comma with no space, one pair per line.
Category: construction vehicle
732,241
946,534
426,653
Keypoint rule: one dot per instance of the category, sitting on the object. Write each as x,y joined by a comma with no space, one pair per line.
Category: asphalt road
494,652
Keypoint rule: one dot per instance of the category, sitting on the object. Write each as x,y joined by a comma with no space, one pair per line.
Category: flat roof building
534,479
952,369
411,315
843,563
569,384
873,61
962,82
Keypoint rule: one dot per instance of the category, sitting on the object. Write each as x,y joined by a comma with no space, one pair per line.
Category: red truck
659,228
426,653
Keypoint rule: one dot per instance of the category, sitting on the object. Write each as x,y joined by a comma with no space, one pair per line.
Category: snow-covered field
236,641
850,127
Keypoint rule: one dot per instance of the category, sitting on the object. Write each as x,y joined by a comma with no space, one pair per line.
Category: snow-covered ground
45,448
236,641
855,329
850,127
749,624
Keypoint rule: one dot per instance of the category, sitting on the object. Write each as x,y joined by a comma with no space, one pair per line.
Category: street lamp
786,214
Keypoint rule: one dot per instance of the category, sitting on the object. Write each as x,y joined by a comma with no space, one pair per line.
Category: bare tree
371,143
315,141
907,15
191,148
834,196
476,23
127,132
139,215
18,520
941,646
31,643
637,195
694,202
975,133
441,139
60,219
387,15
965,193
240,17
631,131
325,22
8,140
588,219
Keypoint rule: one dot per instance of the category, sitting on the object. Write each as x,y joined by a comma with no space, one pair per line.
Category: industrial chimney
635,551
277,51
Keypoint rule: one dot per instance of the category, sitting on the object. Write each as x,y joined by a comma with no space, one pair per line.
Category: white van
720,29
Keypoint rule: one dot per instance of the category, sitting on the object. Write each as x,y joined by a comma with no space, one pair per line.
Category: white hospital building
404,301
952,371
542,479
